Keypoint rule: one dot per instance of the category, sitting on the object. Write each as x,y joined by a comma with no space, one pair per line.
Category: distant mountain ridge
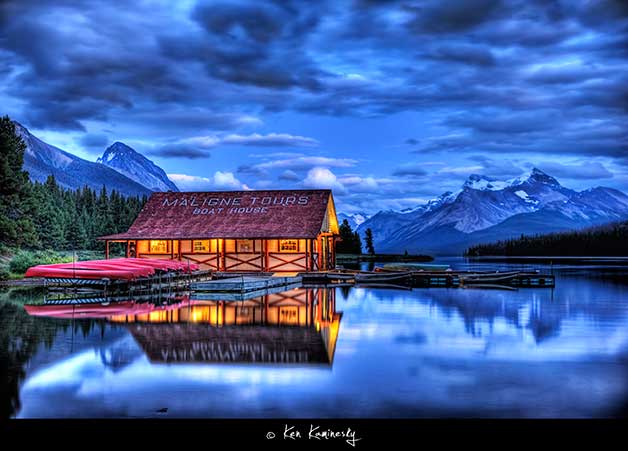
137,167
354,219
71,172
485,210
120,168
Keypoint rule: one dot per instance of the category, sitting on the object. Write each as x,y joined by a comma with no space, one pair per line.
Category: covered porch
239,255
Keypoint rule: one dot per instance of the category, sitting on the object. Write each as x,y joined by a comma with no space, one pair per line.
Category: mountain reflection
425,352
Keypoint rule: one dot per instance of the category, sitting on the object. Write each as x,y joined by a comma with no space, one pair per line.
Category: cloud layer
488,85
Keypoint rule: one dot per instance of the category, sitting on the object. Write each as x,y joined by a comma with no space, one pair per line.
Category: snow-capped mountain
354,219
42,159
136,166
485,209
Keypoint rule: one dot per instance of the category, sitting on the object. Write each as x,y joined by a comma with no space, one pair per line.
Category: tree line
606,240
37,215
350,241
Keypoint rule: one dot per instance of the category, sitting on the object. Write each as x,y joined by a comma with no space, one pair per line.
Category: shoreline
356,258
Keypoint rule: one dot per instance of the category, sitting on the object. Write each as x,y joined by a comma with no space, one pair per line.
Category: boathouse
270,231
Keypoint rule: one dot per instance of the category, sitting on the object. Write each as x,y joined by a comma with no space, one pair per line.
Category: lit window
288,245
245,245
288,315
201,245
158,247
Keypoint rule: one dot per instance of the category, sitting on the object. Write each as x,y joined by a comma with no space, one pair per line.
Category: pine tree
368,238
16,227
347,239
357,243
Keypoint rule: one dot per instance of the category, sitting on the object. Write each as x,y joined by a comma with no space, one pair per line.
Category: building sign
233,205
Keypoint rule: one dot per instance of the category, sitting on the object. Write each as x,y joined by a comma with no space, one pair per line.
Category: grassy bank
15,262
355,258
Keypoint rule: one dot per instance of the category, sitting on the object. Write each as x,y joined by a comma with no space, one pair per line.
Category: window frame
207,248
151,251
296,250
237,246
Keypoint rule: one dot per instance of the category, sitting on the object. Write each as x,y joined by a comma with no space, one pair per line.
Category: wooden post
332,251
308,266
126,252
224,254
107,250
179,248
266,258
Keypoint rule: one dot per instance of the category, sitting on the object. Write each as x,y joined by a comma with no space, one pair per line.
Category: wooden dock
245,284
436,279
236,296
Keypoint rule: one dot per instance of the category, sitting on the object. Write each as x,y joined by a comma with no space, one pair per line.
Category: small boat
117,268
491,286
388,286
414,267
84,310
101,310
386,277
489,279
70,273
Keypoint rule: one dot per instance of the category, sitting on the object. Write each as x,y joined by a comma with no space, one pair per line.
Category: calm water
342,352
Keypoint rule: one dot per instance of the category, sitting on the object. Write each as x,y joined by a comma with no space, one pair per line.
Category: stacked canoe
113,269
102,310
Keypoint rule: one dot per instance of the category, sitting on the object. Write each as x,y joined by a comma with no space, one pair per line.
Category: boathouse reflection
298,326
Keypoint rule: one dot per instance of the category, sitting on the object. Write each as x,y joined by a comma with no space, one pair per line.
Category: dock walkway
244,284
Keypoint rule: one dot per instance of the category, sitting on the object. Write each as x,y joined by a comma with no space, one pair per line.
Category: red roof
234,214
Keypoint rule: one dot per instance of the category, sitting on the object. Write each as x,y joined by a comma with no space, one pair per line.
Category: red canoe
100,310
118,268
69,273
84,310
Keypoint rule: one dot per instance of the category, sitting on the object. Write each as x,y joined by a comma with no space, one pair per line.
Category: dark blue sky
388,103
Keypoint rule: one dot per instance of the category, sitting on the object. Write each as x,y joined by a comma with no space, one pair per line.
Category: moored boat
414,267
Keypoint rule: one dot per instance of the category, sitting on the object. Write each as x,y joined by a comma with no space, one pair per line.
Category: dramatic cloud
323,178
289,175
220,180
410,169
583,170
197,146
299,163
94,141
493,85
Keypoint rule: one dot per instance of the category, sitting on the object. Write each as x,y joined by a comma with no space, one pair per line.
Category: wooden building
272,231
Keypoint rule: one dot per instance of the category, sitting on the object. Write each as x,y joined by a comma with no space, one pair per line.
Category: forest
606,240
38,216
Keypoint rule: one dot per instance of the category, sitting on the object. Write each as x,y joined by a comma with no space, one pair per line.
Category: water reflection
295,326
427,352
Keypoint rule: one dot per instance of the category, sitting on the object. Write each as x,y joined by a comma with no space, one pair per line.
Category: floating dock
429,279
245,284
156,277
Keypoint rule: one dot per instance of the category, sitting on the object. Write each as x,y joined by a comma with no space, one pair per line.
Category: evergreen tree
350,241
16,227
606,240
368,237
357,243
45,215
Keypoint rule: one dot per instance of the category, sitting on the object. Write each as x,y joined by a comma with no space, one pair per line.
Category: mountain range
136,166
482,210
485,210
120,168
354,219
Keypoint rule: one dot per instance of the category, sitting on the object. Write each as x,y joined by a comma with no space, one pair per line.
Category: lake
330,353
